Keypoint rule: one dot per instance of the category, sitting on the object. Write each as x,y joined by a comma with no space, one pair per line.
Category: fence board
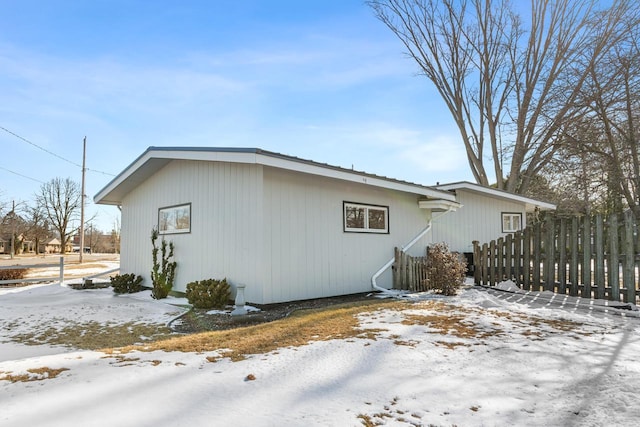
585,256
628,274
549,257
573,269
599,262
562,257
537,256
500,259
508,256
517,257
526,260
614,259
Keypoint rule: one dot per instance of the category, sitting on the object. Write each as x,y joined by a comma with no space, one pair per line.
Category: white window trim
511,215
366,228
174,229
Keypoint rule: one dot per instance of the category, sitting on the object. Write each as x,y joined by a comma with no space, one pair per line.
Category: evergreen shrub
126,283
209,293
164,270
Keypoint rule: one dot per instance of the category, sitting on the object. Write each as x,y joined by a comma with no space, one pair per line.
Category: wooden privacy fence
591,257
409,272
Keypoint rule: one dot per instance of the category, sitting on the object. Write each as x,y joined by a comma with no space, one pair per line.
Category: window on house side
360,218
511,222
174,219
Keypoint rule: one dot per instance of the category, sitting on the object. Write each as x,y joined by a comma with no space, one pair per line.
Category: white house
286,228
487,214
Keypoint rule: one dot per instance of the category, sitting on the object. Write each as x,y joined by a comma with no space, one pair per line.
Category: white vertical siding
307,253
479,219
224,201
278,232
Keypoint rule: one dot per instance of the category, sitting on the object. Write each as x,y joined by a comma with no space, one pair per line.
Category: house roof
154,158
530,204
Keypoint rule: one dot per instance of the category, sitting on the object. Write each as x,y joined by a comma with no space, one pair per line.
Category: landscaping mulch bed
201,320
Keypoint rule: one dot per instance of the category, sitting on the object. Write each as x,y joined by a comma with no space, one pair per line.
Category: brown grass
458,322
34,374
83,266
94,335
337,322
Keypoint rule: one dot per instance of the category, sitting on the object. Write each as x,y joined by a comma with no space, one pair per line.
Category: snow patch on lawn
479,358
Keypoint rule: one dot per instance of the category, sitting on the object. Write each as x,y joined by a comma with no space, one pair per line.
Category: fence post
586,257
573,268
549,255
500,258
614,259
476,262
526,260
508,257
562,257
395,269
492,263
517,257
61,269
600,281
629,281
485,261
537,255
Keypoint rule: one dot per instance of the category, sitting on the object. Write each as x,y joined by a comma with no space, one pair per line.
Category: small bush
13,273
445,270
209,293
126,283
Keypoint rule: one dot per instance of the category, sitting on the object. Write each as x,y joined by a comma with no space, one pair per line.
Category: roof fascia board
122,176
254,156
531,203
344,175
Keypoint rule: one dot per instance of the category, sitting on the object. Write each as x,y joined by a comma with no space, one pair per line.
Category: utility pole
13,228
84,152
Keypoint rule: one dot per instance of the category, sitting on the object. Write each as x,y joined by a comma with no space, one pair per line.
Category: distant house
22,245
287,228
487,214
52,246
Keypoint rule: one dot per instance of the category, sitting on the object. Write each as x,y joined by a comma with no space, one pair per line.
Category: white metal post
61,269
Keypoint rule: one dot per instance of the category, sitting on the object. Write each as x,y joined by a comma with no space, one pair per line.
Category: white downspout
420,235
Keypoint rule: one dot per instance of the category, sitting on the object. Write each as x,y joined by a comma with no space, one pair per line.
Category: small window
174,219
511,222
360,218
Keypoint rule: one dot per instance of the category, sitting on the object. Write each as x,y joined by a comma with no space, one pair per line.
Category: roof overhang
154,158
439,205
529,203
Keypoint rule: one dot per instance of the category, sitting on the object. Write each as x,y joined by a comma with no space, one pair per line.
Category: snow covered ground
482,358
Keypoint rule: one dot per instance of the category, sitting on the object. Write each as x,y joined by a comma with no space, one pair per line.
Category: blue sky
324,81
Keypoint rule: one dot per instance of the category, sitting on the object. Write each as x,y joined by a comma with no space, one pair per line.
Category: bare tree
509,87
37,225
13,225
60,200
611,100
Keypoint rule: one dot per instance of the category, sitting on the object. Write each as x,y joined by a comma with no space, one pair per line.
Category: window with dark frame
364,218
174,219
511,222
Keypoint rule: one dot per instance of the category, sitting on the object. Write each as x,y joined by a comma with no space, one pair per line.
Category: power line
97,171
39,147
23,176
50,152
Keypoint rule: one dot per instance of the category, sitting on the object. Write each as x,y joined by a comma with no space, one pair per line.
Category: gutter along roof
154,158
